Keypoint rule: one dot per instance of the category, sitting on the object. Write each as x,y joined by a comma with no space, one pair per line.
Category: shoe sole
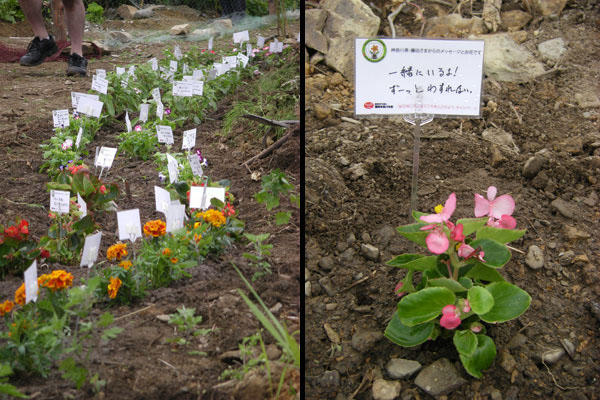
71,72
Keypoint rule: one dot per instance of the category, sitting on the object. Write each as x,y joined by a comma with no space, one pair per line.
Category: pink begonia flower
437,241
465,251
476,328
447,211
67,144
456,233
398,287
505,222
466,307
494,206
450,318
138,128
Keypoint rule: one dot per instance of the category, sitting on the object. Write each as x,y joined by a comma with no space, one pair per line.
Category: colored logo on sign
374,50
369,105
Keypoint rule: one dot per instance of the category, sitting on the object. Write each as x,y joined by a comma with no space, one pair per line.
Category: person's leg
75,16
33,13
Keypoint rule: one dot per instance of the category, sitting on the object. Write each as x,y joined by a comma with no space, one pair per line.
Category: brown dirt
135,364
343,212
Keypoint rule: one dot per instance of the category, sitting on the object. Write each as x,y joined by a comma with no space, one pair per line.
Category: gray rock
587,100
182,29
326,263
363,340
307,289
306,274
126,11
329,381
514,20
399,368
123,37
439,378
532,166
505,60
314,22
517,341
223,24
507,362
500,137
552,50
351,239
573,234
356,171
143,13
347,20
325,283
564,208
369,251
552,355
569,347
535,257
347,256
386,390
566,258
454,25
491,14
341,246
384,235
548,7
365,237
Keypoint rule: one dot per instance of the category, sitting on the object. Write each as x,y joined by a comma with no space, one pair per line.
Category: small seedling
274,185
187,324
257,258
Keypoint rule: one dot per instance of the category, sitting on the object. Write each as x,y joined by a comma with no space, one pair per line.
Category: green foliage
273,186
140,144
257,7
187,325
257,258
10,11
7,388
249,358
94,13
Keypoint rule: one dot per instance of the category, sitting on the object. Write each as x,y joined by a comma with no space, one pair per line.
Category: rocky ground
538,139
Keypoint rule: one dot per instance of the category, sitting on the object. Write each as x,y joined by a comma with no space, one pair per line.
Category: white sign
154,62
175,217
210,43
31,283
260,42
422,76
185,69
198,74
60,118
162,199
197,194
79,136
240,37
249,52
273,47
182,89
197,88
60,201
230,60
76,96
279,47
90,107
164,134
127,121
90,250
130,227
173,66
156,95
189,139
194,161
82,206
105,157
173,167
177,52
124,83
101,73
243,59
160,109
298,37
131,70
120,70
99,84
144,109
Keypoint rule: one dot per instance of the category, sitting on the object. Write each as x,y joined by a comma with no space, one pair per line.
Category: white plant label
185,69
120,70
210,43
189,139
156,95
162,198
194,161
154,62
392,73
101,73
127,121
82,205
130,227
124,83
230,60
177,52
273,47
173,167
99,84
197,88
160,109
105,157
279,47
144,109
298,37
249,50
182,89
90,250
79,136
76,96
60,201
60,118
212,74
241,37
31,283
197,194
173,66
175,216
90,107
131,71
198,75
260,42
164,134
243,59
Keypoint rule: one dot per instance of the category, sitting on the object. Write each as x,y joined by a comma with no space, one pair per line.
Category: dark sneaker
77,65
37,51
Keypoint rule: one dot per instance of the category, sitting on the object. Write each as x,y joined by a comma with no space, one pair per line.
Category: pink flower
466,307
67,144
450,318
167,111
397,289
475,328
437,241
492,206
138,128
505,222
466,251
446,212
457,233
102,189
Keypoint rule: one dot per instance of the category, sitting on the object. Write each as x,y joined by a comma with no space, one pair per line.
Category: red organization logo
369,105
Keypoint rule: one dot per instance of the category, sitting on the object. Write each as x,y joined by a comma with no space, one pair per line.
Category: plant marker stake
204,193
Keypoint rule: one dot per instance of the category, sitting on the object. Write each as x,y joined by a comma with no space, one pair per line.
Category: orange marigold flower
116,251
197,224
113,287
20,295
197,237
214,217
126,264
155,228
174,260
6,307
57,280
166,252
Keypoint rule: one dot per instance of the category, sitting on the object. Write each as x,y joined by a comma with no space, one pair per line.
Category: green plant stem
454,262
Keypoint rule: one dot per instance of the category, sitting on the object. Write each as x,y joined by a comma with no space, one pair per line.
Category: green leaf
111,333
7,388
416,262
216,203
482,358
465,342
414,233
105,320
424,305
406,336
417,215
496,254
510,301
471,225
466,282
447,283
73,372
499,234
483,273
480,300
282,217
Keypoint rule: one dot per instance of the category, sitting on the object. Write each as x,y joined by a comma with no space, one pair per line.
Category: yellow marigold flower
166,252
57,280
199,214
155,228
438,209
113,287
6,307
174,260
116,251
197,224
197,237
20,295
214,217
125,264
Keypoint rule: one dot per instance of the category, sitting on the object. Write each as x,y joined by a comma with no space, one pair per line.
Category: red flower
212,52
103,189
24,227
12,232
44,253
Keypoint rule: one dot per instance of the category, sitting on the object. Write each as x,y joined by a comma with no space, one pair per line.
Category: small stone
386,390
143,13
347,256
564,208
341,246
399,368
365,237
329,381
569,347
573,234
517,341
356,171
553,355
182,29
591,200
363,340
552,50
163,317
532,166
439,378
495,394
514,20
587,100
306,274
581,259
331,306
326,263
273,352
336,79
331,334
307,289
501,138
369,251
276,308
325,283
123,37
566,258
497,156
507,362
322,111
126,12
350,239
535,257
